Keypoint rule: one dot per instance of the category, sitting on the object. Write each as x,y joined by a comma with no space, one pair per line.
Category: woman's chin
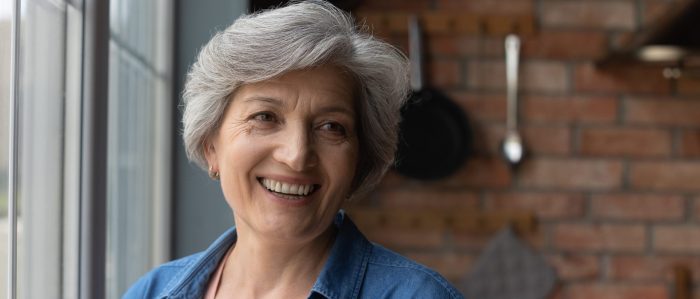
291,227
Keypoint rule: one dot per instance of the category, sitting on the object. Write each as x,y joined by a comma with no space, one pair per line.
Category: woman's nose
296,150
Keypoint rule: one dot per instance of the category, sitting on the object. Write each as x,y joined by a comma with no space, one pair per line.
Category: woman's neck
259,267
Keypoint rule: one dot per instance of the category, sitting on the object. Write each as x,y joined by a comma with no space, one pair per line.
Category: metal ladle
512,145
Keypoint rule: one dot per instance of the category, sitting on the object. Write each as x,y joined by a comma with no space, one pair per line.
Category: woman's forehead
322,84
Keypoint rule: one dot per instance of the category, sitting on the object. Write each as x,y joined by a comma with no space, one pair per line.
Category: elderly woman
295,112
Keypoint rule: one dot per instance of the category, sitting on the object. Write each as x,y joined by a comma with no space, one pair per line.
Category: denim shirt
356,268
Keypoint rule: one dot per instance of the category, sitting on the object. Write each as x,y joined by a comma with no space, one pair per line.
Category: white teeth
286,188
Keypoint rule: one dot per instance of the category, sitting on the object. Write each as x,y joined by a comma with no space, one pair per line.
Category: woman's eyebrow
278,102
274,101
337,109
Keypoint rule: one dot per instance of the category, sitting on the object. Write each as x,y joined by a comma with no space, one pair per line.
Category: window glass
140,101
5,35
41,123
138,139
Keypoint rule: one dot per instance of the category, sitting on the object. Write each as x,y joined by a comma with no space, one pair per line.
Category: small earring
214,175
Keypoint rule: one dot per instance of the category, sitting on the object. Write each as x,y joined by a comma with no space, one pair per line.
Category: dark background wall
200,213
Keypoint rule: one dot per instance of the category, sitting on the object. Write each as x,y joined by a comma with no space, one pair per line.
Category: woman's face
286,152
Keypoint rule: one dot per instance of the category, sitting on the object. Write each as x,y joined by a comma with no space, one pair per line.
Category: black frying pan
434,137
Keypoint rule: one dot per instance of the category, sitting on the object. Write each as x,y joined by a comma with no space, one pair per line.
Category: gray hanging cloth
509,269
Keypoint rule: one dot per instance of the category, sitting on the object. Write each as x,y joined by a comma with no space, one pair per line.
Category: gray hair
306,34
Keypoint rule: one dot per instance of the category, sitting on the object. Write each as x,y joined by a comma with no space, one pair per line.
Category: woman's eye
334,128
264,116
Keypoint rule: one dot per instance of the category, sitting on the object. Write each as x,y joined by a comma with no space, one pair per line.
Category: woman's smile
287,189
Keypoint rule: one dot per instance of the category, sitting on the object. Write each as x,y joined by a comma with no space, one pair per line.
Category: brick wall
613,174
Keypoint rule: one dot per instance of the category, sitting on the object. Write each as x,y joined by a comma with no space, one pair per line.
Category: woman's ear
212,160
210,154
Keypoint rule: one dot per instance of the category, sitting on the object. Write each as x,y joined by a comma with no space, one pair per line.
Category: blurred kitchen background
605,203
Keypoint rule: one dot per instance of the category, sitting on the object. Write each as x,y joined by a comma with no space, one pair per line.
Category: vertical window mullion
71,156
14,150
93,195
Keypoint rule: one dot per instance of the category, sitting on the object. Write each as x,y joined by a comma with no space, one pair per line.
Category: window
139,143
42,67
5,41
60,124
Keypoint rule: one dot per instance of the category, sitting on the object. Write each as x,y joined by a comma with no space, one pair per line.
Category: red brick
482,172
640,79
538,140
477,172
400,42
439,46
575,266
677,239
545,205
670,176
536,240
696,207
476,241
399,240
599,237
576,174
487,138
589,14
534,76
671,112
443,73
589,110
688,86
629,142
690,143
642,207
393,5
617,291
646,268
427,198
621,40
452,266
501,7
470,241
546,140
654,10
549,44
461,45
481,107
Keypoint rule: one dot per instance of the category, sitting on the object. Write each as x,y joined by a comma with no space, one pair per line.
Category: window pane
139,144
41,148
5,35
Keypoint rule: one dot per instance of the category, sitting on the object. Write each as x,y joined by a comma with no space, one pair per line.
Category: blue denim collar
193,280
341,277
343,274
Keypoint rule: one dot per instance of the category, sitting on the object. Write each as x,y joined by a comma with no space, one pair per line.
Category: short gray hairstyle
302,35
